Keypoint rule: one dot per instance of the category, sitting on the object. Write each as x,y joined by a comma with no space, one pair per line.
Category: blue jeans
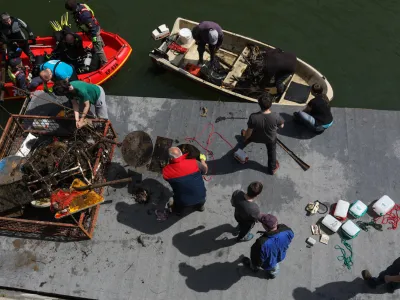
309,121
273,272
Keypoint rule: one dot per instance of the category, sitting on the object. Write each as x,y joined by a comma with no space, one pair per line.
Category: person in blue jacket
185,177
270,249
56,70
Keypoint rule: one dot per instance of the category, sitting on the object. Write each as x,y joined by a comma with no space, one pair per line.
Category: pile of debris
54,162
249,83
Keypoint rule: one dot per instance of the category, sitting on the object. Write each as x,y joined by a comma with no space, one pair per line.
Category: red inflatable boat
117,51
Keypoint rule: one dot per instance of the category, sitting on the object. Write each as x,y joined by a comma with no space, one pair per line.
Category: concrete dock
196,257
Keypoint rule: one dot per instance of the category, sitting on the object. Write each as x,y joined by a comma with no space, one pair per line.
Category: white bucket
241,156
331,223
342,207
358,209
383,205
350,229
185,36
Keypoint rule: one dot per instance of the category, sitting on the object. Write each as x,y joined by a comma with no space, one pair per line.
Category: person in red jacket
186,180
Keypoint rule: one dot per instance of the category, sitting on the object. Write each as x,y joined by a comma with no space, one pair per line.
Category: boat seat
237,69
176,58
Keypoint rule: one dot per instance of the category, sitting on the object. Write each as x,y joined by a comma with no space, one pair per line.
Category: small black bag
213,72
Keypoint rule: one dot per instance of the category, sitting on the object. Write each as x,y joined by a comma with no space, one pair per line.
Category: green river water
354,43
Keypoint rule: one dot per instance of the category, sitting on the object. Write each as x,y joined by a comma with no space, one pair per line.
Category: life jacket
13,75
84,27
9,30
46,88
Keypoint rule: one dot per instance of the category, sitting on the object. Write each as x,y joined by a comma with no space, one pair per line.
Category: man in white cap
210,33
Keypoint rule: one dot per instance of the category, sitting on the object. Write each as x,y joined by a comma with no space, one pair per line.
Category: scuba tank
87,61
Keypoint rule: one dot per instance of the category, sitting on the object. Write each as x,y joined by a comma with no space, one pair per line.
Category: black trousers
245,228
392,270
271,150
179,209
201,47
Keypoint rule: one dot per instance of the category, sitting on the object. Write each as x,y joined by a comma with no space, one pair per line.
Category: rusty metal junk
137,148
55,163
58,156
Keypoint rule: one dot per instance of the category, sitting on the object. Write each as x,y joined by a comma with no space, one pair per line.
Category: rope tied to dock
365,225
392,218
209,141
347,259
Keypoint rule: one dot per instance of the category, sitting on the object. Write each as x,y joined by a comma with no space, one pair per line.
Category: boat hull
117,51
233,47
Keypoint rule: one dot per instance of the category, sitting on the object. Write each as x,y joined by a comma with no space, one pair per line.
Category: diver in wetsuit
11,31
69,47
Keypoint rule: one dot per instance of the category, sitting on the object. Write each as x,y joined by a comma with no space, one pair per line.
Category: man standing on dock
210,33
246,210
262,127
390,277
185,177
270,248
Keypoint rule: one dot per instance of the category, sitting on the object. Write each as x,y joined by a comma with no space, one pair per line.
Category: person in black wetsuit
69,47
87,22
11,31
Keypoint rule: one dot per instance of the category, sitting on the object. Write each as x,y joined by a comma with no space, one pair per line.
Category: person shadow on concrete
339,290
142,217
216,276
192,244
294,129
227,164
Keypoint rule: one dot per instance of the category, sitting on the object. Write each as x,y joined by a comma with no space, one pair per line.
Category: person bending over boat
86,21
210,33
20,77
11,31
278,66
317,115
56,70
80,92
